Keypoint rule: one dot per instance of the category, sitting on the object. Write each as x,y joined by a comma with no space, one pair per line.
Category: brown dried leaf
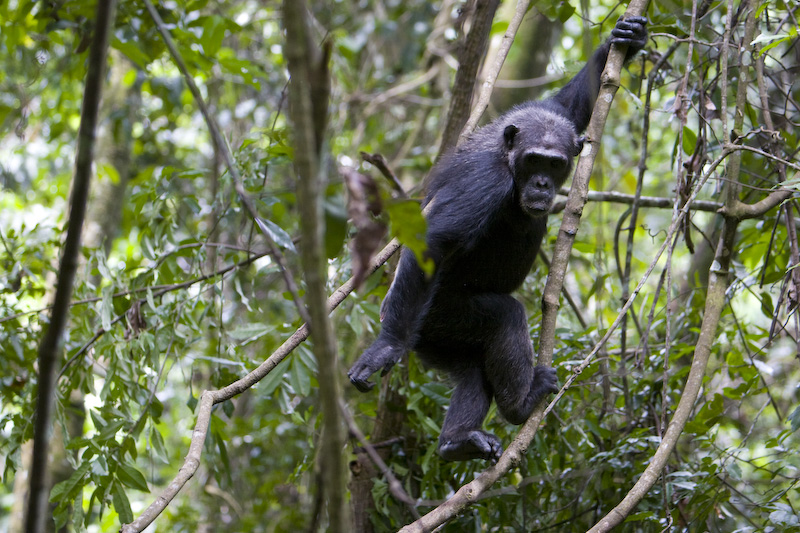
363,205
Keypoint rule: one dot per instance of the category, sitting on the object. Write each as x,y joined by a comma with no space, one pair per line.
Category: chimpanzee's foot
475,444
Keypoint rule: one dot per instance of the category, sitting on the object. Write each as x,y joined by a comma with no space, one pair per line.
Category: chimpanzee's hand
630,32
380,356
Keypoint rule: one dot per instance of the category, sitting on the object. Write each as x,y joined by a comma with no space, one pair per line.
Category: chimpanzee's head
540,146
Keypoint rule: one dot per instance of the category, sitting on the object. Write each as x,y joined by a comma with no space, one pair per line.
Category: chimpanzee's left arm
578,96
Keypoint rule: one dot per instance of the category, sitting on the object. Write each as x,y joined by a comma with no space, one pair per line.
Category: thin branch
53,341
469,61
486,89
767,155
395,487
715,301
209,398
401,88
379,162
644,201
227,155
636,204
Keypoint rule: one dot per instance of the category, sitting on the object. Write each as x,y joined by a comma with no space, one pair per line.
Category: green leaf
105,170
78,515
276,233
734,471
213,33
499,27
794,418
121,503
410,228
784,516
131,477
767,307
565,11
274,378
637,517
300,378
711,411
70,487
157,445
734,358
689,140
436,392
250,332
132,52
335,228
110,431
228,408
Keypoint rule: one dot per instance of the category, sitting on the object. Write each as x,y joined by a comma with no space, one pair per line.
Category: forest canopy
185,185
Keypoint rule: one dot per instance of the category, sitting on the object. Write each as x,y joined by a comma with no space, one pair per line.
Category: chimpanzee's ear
508,134
578,148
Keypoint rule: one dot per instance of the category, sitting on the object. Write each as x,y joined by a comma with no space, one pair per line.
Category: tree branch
53,340
643,201
491,76
222,146
469,60
715,302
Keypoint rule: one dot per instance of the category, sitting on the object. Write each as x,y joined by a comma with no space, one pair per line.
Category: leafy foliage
180,294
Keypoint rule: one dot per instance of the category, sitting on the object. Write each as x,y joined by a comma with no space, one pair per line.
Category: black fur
488,202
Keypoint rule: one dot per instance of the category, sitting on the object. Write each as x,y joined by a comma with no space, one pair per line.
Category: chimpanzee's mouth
536,207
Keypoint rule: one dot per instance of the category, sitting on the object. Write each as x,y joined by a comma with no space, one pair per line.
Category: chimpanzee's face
540,159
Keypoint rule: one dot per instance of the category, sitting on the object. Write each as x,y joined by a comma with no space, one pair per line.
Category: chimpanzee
487,203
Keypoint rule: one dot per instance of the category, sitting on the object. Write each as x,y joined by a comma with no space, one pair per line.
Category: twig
380,163
209,398
52,341
222,146
395,487
401,88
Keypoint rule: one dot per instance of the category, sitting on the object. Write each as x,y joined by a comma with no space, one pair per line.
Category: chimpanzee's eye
557,164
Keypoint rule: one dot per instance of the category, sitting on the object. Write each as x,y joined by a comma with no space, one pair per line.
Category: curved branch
209,398
741,211
715,302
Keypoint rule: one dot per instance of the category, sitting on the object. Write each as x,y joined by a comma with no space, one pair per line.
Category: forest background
197,269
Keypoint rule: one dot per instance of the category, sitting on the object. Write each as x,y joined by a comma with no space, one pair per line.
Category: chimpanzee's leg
494,326
518,385
462,437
